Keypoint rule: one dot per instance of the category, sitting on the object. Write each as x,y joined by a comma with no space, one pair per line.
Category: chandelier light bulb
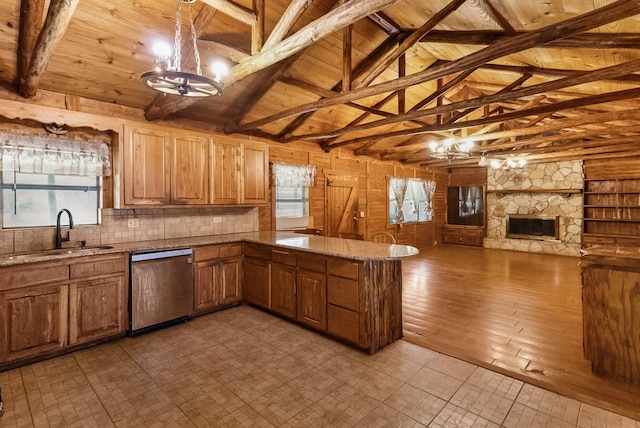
162,50
220,70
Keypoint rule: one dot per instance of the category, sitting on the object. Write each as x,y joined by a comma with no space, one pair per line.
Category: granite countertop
347,248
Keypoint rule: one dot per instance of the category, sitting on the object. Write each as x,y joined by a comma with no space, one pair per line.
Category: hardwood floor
516,313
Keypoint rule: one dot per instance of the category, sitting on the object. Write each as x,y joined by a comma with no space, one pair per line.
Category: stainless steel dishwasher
161,289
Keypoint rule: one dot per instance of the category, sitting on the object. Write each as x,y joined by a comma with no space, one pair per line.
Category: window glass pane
292,207
414,204
32,200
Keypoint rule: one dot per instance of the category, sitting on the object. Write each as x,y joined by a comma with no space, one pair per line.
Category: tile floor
242,367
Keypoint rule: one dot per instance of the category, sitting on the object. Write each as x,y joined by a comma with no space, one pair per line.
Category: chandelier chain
195,45
177,43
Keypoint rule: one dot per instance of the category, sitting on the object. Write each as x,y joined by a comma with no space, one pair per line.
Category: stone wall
536,190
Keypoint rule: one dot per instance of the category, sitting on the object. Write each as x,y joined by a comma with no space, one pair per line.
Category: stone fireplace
544,200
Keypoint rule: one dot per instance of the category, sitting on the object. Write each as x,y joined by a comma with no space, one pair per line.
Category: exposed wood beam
230,52
334,20
55,25
579,41
31,18
257,28
347,57
558,124
553,72
391,56
362,66
233,10
402,71
294,11
577,79
443,89
604,15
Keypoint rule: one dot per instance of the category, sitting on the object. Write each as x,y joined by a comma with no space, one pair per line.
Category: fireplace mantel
564,192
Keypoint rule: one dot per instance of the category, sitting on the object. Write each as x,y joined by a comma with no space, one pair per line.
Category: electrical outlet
217,219
133,223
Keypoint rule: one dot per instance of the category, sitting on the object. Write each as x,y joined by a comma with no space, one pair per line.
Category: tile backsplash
153,224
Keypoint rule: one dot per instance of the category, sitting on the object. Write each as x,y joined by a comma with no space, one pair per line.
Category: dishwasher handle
161,255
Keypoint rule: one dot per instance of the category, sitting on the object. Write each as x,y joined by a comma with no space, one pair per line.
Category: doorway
341,204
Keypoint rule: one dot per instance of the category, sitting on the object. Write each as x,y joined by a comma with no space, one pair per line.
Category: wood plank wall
612,168
372,192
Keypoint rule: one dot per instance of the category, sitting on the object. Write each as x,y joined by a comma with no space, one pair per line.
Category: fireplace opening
532,227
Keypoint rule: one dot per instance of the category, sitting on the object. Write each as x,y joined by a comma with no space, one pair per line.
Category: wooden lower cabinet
610,308
47,307
344,299
34,321
216,272
96,308
312,298
463,235
257,284
283,289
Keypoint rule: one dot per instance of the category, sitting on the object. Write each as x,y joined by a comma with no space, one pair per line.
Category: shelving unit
612,211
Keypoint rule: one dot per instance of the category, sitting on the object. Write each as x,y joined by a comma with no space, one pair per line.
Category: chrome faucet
59,238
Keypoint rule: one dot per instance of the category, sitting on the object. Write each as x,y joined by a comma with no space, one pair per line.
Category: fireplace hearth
543,228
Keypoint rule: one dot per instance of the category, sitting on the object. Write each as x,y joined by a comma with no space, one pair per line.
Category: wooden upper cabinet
224,161
147,166
255,173
190,170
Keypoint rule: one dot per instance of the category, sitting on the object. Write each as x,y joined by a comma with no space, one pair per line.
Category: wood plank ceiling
545,80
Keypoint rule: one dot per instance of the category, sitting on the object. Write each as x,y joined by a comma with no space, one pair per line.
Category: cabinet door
225,172
147,167
312,298
190,170
283,289
97,308
32,321
230,290
257,281
205,294
255,158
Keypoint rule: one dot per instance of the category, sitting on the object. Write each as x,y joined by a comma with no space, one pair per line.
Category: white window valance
288,175
52,154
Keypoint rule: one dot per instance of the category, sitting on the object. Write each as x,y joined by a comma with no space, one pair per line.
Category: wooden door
312,298
224,162
342,204
189,170
96,309
33,320
147,167
283,289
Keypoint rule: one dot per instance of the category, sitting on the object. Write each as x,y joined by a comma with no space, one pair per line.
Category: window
292,184
415,195
32,200
42,174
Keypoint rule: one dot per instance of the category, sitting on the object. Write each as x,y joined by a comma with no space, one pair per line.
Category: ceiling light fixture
168,76
449,149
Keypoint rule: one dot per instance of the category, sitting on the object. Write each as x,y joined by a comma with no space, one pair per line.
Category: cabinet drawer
206,253
312,262
283,257
343,268
94,266
257,251
29,274
211,252
342,292
343,323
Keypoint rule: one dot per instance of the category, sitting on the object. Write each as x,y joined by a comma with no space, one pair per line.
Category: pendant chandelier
450,150
168,76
